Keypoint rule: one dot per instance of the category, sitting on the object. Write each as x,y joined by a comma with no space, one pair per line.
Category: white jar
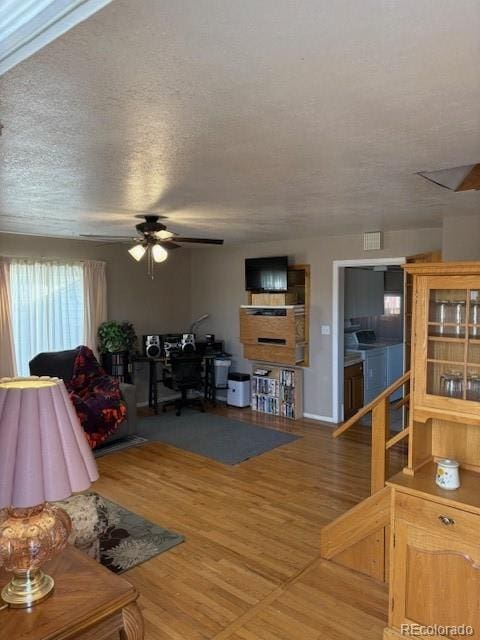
448,476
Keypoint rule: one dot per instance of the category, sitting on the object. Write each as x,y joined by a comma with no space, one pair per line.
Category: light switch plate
325,329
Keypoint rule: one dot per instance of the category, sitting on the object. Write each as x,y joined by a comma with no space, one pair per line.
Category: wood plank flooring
250,567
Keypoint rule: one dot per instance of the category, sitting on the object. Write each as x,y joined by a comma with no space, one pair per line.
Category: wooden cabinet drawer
437,518
353,370
255,329
272,353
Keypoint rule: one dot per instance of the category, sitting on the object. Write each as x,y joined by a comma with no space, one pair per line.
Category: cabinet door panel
375,370
443,587
357,391
436,579
447,346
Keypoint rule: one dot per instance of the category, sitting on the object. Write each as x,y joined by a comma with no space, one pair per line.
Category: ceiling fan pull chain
150,263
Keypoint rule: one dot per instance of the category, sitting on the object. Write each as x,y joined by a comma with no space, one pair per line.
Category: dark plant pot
117,365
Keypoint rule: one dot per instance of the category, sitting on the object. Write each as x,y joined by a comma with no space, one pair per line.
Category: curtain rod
45,259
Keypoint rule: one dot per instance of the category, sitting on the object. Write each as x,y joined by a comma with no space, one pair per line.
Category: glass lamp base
26,590
28,538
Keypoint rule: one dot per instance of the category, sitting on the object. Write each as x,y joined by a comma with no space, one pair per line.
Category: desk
89,603
210,393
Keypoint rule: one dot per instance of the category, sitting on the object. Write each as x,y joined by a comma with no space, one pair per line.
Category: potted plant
116,342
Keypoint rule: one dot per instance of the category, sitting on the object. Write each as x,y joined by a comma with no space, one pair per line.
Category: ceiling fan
153,240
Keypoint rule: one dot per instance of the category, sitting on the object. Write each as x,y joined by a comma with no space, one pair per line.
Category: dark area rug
221,439
116,537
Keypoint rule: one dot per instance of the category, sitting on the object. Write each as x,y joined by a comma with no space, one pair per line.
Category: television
266,275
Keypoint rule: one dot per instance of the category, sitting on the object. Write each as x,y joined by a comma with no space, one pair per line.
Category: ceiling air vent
372,241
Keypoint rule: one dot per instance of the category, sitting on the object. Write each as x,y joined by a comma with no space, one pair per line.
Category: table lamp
44,456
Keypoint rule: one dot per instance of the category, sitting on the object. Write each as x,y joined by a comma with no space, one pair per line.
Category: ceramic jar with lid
448,476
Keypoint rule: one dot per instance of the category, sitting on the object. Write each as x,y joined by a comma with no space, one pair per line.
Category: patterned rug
116,537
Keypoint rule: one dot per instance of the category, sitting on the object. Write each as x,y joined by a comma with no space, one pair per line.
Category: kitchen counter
351,358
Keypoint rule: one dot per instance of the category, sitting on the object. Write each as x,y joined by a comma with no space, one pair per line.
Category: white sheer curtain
47,307
95,296
7,353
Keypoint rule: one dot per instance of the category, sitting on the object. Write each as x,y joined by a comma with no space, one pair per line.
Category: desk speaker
188,342
152,346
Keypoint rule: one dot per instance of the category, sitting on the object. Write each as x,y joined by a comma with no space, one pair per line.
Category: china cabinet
434,541
445,354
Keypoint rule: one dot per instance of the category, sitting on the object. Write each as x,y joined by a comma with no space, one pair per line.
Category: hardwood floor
250,567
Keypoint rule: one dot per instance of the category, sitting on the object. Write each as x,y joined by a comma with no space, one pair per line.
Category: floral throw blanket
96,397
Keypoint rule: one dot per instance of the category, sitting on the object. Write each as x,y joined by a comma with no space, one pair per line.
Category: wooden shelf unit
273,338
279,392
282,339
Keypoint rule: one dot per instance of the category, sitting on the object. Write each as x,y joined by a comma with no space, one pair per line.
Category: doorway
373,322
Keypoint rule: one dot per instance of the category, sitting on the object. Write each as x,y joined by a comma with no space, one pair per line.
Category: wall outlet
325,329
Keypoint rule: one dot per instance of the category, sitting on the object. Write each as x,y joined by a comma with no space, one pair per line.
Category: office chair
185,374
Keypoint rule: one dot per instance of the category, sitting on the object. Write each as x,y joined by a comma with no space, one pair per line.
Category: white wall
461,238
218,288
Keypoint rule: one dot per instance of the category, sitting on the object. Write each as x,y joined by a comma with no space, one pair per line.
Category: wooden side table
89,603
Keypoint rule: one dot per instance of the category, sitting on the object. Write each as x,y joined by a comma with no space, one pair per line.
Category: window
47,308
392,304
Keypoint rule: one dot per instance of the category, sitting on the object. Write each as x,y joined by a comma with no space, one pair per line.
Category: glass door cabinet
447,342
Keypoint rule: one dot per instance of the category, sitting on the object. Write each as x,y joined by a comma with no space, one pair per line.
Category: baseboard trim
314,416
310,416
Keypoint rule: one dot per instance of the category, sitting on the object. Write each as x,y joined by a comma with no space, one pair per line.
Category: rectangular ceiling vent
372,241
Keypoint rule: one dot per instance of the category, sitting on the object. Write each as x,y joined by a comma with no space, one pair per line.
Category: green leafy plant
115,337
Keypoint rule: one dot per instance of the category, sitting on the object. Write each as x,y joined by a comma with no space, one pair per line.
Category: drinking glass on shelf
458,308
475,319
473,387
451,384
442,308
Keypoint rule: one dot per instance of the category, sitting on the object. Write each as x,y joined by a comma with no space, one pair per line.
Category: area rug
118,445
116,537
221,439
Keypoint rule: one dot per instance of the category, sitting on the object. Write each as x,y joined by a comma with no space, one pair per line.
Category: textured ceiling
258,119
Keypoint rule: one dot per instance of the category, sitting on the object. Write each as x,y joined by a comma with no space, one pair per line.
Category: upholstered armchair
60,364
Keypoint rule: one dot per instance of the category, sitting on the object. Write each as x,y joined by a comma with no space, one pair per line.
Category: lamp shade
44,455
137,252
159,254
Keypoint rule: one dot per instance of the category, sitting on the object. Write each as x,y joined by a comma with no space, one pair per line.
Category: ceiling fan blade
111,238
163,234
198,240
167,244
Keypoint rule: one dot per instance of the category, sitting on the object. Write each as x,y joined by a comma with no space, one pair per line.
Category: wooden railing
382,442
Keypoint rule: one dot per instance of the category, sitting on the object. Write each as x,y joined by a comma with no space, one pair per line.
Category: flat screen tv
266,274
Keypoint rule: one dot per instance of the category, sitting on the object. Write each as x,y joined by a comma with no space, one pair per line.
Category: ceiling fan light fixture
137,252
159,254
163,234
